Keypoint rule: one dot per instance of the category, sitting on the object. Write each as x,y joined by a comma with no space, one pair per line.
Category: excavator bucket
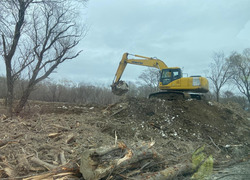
119,88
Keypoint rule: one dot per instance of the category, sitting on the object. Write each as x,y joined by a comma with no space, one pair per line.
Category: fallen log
140,161
69,169
137,161
42,163
101,162
168,173
24,166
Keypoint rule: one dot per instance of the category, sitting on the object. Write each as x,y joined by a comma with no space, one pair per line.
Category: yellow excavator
172,84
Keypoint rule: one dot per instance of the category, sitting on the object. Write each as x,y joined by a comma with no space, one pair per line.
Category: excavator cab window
169,75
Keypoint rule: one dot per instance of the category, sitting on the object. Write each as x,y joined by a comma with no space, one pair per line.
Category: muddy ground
46,131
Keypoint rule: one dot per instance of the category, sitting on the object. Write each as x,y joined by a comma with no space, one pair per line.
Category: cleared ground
48,131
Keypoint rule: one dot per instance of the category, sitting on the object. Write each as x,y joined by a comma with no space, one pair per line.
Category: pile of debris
134,138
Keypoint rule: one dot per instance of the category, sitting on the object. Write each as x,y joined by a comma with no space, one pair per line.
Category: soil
46,130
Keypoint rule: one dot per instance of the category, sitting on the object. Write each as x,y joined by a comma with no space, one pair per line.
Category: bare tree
43,35
240,67
229,96
12,20
219,73
150,77
133,89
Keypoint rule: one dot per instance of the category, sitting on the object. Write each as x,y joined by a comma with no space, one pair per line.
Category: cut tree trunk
118,160
137,161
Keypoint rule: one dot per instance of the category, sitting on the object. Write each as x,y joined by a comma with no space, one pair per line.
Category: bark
24,99
217,92
42,163
10,92
120,161
140,161
168,173
8,55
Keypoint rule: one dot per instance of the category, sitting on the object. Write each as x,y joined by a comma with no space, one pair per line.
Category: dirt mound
181,124
46,131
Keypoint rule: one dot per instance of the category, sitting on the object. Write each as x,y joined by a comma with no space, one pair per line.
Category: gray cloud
183,33
180,32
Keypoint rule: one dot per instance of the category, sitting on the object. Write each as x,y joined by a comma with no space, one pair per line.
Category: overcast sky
182,33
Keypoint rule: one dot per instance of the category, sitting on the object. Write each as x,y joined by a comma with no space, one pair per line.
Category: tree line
71,92
230,72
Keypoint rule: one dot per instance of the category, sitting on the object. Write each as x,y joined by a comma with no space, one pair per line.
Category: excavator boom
144,61
120,87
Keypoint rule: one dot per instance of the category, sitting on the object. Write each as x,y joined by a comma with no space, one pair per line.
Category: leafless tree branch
37,36
219,72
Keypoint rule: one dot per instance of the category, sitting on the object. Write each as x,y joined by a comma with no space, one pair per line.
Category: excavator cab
169,75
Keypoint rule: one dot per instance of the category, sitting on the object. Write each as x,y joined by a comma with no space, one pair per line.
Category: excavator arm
120,87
